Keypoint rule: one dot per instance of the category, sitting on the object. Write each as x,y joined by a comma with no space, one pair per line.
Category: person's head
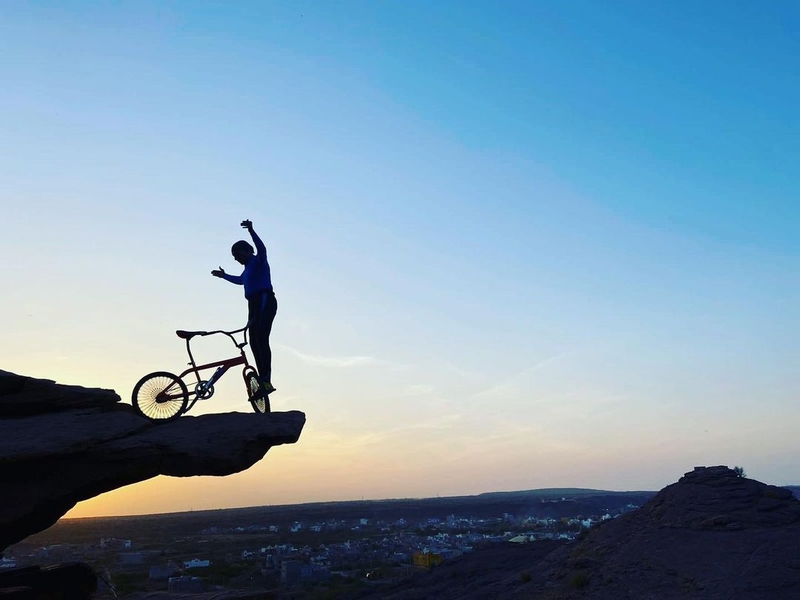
242,251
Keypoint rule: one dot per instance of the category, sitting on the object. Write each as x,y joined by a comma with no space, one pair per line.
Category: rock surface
712,535
71,581
63,444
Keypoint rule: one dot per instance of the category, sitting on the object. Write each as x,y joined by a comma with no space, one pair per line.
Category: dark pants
261,313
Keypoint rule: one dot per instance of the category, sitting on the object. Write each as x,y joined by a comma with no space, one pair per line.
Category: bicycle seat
187,335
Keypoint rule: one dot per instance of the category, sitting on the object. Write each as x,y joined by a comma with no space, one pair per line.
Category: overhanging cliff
63,444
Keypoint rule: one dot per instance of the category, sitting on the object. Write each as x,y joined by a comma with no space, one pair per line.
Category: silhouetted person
261,301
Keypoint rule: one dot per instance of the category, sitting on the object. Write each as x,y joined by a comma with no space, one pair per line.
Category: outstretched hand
218,272
247,224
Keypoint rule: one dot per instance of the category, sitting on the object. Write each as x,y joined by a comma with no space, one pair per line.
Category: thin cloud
436,423
347,442
423,389
510,387
341,362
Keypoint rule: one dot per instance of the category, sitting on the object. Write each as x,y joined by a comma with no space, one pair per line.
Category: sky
514,245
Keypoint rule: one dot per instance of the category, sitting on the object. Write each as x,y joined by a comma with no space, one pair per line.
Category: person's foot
267,387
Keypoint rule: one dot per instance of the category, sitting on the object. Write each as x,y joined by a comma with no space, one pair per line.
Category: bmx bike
162,396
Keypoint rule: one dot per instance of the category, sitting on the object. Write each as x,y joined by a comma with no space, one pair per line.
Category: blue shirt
256,276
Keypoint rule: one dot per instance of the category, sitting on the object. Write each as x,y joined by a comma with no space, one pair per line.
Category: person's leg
262,314
253,317
270,310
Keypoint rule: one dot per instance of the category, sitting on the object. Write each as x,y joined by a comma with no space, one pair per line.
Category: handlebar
188,335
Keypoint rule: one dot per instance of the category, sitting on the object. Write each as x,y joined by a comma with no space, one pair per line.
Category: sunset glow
514,246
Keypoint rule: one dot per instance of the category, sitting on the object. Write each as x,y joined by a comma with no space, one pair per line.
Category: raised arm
261,250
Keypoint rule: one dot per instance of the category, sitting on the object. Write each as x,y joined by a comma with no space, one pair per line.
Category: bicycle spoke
160,396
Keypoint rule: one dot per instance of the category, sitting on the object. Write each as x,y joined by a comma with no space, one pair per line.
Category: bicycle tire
146,392
253,384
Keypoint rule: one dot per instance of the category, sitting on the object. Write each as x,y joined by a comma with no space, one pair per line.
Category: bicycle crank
203,390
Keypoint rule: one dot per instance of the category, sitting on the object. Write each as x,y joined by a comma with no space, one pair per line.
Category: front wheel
160,397
255,392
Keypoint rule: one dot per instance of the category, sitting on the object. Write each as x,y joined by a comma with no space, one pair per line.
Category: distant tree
739,471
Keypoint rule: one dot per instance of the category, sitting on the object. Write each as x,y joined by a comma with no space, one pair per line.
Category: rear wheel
258,399
160,396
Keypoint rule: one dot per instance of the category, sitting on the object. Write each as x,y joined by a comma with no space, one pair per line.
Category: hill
712,535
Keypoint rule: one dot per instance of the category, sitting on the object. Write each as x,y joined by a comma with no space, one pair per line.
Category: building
291,572
427,559
196,563
115,543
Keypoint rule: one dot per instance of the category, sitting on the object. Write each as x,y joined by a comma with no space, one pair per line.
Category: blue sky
528,245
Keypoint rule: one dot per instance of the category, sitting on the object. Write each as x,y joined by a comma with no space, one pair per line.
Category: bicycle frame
202,388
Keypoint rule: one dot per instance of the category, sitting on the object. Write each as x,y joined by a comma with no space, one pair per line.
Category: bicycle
162,396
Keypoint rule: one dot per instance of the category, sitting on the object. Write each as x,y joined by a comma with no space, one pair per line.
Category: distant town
306,548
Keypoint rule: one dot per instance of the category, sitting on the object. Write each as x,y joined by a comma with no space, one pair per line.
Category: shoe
267,387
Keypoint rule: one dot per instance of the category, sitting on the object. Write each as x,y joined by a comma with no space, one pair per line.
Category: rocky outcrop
712,535
62,444
71,581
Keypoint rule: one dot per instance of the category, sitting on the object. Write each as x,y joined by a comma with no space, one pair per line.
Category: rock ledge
62,444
